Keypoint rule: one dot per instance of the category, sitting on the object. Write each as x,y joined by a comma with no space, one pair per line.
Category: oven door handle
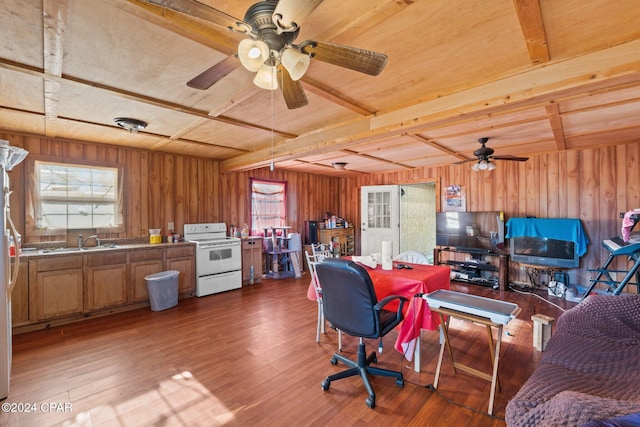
217,245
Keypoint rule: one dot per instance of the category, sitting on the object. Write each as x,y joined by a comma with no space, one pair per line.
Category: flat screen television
545,252
468,231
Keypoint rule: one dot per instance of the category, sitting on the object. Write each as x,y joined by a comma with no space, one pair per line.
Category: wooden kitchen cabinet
20,295
143,262
182,258
55,287
252,256
106,280
58,288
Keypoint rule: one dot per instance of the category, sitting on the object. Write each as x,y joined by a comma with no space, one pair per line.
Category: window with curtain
71,196
268,205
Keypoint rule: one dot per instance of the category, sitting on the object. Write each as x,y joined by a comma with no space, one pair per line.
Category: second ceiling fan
272,26
484,155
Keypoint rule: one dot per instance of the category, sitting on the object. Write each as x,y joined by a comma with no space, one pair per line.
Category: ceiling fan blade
288,14
292,91
465,161
198,10
510,157
364,61
212,75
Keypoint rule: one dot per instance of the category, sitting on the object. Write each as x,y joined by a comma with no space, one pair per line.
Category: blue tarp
552,228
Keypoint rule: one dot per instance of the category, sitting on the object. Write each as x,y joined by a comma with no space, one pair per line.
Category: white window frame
36,225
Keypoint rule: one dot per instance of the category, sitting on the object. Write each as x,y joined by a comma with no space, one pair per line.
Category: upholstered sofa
590,369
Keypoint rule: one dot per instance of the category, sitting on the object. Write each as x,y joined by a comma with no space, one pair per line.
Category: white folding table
485,311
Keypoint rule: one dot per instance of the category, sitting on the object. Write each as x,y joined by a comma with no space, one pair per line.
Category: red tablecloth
407,283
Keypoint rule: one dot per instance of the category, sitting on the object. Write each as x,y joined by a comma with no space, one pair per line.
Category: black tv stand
483,267
464,249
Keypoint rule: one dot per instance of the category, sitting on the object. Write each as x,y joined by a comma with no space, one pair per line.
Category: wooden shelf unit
343,237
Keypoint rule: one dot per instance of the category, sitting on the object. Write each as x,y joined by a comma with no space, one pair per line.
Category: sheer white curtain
268,205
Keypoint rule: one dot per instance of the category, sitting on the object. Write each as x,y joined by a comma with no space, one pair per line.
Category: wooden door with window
379,218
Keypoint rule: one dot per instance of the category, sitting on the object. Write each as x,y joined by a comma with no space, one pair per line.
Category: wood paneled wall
158,187
309,196
594,185
162,187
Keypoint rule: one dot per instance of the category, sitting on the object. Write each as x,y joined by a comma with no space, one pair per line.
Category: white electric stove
218,258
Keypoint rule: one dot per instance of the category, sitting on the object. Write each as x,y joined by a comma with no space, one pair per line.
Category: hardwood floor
249,357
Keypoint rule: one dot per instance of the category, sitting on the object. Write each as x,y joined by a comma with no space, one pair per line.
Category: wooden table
421,279
485,311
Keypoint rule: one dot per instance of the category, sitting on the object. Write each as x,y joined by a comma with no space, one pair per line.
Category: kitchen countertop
36,253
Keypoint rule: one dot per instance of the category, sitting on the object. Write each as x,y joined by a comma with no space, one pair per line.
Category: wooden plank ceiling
532,75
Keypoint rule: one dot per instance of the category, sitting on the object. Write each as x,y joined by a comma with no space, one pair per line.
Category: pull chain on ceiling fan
272,26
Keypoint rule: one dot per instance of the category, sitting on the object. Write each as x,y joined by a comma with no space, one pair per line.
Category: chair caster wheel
400,383
334,361
371,402
325,385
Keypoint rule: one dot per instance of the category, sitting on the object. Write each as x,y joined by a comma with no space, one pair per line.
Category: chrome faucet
82,242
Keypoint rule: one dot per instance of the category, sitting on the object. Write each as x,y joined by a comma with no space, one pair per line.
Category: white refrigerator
9,157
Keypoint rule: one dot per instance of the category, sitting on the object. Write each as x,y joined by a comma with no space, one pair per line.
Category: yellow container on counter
155,236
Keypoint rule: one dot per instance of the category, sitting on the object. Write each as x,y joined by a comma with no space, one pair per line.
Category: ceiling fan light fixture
266,77
483,165
295,62
491,166
132,125
339,165
253,54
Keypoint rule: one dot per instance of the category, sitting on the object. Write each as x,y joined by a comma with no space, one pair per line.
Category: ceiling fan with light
484,155
271,27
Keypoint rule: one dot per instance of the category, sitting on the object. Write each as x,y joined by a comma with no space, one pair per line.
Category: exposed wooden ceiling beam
437,146
530,17
322,91
54,21
141,98
616,65
198,30
553,112
210,35
376,13
377,159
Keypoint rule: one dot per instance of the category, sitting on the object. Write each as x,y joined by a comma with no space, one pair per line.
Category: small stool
542,328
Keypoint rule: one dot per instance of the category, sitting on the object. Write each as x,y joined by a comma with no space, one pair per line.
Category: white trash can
163,289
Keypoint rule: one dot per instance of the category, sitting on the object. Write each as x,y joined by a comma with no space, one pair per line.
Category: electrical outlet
170,225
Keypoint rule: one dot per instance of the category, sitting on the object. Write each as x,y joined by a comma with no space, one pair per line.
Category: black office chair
350,304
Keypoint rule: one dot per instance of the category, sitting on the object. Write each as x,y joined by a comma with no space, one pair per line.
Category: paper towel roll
387,262
387,248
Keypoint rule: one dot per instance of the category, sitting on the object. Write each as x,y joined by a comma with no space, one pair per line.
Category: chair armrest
386,300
